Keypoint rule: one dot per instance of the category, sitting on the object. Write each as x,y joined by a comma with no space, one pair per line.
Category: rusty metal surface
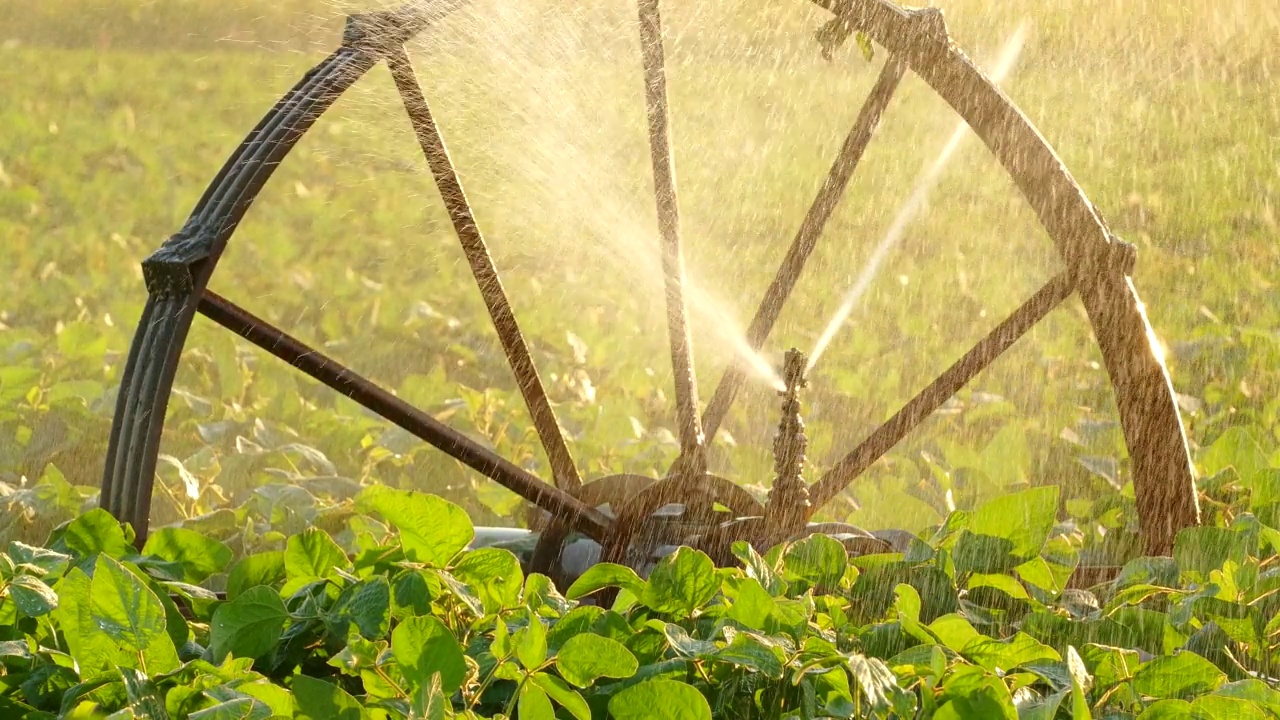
806,239
688,422
788,503
880,441
519,358
317,365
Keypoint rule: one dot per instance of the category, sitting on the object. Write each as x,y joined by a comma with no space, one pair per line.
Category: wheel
1098,266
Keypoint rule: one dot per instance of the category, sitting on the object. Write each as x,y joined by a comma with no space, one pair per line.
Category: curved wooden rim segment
1164,479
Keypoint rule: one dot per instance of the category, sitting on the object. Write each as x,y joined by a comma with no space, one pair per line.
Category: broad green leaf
605,575
754,607
1234,448
660,700
818,559
755,653
681,582
494,574
92,648
313,554
124,608
199,556
534,704
265,568
32,596
972,694
241,708
432,529
1045,708
1171,710
423,646
320,700
1177,676
759,569
530,643
879,686
366,604
585,657
1217,706
564,696
430,702
249,626
1255,691
1024,518
683,644
1111,665
97,532
1006,655
1206,548
1080,682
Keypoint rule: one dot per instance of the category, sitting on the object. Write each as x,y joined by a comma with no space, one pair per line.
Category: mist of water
915,203
568,166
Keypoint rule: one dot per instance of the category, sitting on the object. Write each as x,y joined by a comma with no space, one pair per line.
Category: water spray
914,204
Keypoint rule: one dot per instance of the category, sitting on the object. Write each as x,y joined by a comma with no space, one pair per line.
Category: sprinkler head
793,367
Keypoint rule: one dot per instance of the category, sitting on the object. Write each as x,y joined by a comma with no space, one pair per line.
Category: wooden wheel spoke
815,221
513,342
689,425
411,419
940,390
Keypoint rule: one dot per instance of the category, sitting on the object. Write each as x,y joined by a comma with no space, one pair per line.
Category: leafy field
340,542
972,622
116,115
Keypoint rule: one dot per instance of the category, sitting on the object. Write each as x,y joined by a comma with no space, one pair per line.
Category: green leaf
1207,548
754,652
123,608
320,700
1171,710
423,646
660,700
265,568
530,643
313,554
1234,448
1008,654
199,556
605,575
681,583
32,596
249,626
534,704
879,686
759,569
1214,706
92,648
1024,518
585,657
1080,682
972,694
366,604
240,708
1255,691
494,574
97,532
429,702
432,530
818,559
1178,676
565,696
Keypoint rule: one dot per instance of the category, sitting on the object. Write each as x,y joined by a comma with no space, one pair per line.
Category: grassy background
116,114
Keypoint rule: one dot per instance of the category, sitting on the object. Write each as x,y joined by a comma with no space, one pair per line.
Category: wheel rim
1098,265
